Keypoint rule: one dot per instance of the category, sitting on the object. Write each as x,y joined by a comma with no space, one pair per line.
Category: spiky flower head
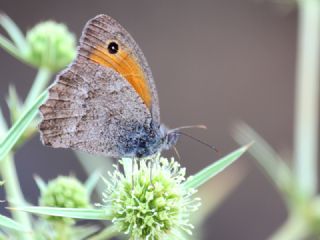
64,192
148,201
51,45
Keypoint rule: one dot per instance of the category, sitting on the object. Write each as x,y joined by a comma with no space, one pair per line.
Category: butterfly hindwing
92,114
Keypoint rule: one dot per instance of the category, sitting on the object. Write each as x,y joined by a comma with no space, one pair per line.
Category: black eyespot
113,47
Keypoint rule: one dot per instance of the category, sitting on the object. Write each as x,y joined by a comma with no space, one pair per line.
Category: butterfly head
169,137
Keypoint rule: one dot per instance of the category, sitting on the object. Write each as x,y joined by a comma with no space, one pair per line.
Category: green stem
62,230
40,82
7,166
107,233
294,228
307,87
10,48
13,193
14,32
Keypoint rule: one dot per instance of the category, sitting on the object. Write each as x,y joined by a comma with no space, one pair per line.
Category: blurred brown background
214,62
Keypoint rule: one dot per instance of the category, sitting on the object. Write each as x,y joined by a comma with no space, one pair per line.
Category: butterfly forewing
93,106
129,61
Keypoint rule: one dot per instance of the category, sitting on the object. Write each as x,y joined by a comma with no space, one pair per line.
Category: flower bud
64,192
51,45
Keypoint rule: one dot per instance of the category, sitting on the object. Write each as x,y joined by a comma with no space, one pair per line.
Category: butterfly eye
113,47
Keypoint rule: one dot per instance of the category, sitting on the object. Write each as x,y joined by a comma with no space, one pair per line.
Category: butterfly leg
176,152
132,171
151,175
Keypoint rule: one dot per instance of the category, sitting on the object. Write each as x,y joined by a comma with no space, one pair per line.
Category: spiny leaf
80,213
272,164
14,32
209,172
11,224
20,126
92,181
10,48
40,183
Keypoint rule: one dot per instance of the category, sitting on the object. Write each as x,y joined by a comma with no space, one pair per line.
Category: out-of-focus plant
142,206
304,216
297,184
52,41
63,192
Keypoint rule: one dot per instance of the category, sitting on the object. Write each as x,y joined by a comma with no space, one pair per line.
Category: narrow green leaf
20,126
14,32
272,164
80,213
91,163
11,224
84,231
14,103
106,233
39,84
212,170
92,181
3,124
40,183
10,48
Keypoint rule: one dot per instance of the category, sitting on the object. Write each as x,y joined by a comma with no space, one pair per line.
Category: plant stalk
307,91
14,193
8,168
63,231
107,233
294,228
39,84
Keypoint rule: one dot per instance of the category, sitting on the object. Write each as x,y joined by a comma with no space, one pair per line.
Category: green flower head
51,45
150,201
64,192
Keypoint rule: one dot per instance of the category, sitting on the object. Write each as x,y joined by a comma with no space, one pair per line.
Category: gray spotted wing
103,28
93,109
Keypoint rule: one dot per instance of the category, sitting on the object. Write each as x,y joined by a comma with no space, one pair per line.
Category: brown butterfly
106,102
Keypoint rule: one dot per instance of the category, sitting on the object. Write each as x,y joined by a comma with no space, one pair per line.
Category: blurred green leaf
20,126
214,193
84,231
10,48
213,169
295,227
106,233
80,213
92,181
91,163
268,159
14,103
14,32
40,183
11,224
39,84
3,124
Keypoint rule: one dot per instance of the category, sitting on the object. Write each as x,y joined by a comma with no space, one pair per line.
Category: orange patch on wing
126,65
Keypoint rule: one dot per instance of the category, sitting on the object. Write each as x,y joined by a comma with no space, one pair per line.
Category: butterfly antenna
199,141
188,127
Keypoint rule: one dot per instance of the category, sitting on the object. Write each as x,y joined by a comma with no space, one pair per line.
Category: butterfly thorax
145,140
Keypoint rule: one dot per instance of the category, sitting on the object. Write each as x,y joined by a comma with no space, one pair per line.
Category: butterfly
105,102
